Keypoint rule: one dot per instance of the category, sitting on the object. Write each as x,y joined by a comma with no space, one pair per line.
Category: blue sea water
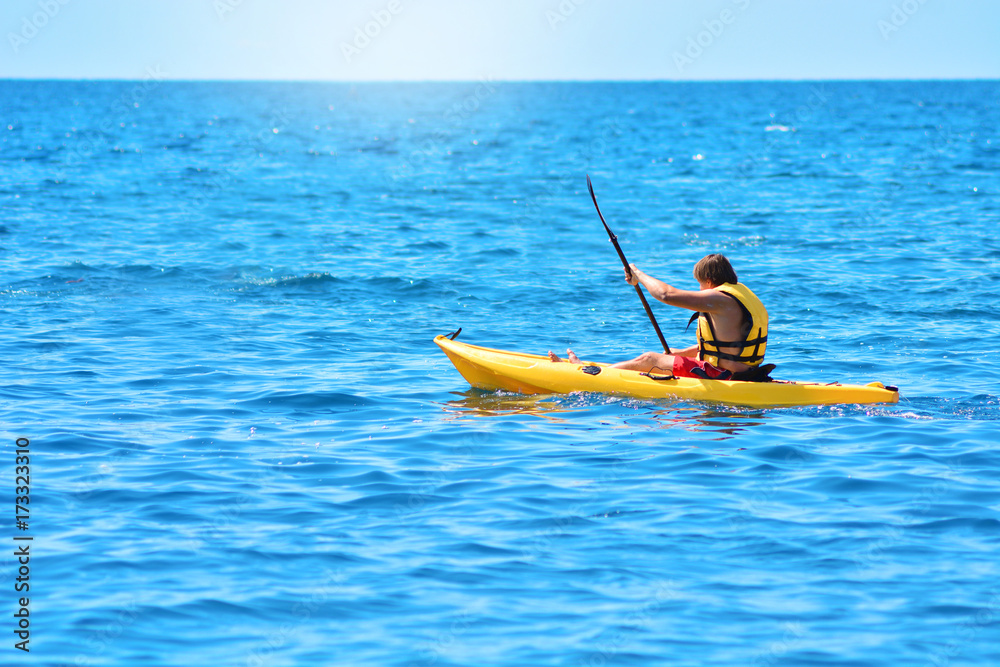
219,301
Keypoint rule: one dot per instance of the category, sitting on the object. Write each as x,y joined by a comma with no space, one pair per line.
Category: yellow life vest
754,330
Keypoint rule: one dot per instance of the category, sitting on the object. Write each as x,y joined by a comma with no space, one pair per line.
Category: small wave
499,252
985,526
399,502
431,245
315,278
313,400
981,407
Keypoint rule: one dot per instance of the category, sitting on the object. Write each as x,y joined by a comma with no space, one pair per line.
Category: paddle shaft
628,269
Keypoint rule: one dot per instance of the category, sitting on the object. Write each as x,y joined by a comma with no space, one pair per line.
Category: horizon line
491,79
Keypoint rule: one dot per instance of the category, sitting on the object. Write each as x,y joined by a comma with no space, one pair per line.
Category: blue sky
342,40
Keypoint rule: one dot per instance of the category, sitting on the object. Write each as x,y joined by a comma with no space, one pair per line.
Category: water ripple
245,448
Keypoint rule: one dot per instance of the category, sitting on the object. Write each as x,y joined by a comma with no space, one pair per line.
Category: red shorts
689,367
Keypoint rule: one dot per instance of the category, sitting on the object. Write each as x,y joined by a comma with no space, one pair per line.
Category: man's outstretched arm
705,301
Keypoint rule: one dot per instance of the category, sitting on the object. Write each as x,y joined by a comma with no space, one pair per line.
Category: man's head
714,270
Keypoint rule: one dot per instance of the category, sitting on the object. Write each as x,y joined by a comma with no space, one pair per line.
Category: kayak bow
490,369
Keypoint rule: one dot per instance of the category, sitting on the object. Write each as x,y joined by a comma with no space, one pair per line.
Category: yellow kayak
490,369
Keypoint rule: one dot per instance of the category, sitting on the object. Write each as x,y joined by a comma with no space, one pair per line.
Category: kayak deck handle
452,335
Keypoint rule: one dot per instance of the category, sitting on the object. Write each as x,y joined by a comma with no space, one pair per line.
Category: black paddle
638,290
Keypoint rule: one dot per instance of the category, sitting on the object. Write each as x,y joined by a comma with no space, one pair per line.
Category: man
732,325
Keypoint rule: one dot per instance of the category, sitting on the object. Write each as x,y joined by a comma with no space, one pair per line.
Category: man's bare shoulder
701,300
718,302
